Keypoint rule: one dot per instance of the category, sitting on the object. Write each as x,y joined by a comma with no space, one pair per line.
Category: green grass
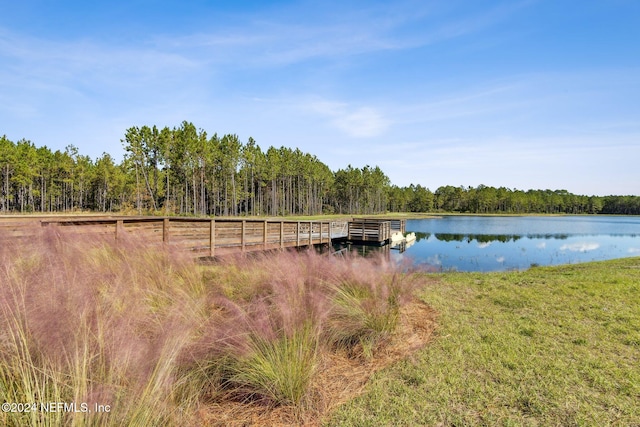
280,370
547,346
362,315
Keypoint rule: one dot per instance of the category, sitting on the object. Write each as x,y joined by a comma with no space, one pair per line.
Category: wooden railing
396,224
207,236
211,236
366,230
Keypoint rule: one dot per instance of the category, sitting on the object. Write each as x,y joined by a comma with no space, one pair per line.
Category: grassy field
548,346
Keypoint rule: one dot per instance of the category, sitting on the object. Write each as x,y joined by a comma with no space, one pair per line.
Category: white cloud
362,122
357,122
74,59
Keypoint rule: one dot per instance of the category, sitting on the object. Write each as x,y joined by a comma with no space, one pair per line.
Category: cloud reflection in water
580,247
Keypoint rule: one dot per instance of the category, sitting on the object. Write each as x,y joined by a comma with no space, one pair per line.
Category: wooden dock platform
374,230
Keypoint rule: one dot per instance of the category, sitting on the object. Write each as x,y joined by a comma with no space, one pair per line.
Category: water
486,243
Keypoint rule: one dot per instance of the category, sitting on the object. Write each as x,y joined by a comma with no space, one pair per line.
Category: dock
374,230
210,237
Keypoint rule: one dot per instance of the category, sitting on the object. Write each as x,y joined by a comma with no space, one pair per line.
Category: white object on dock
397,236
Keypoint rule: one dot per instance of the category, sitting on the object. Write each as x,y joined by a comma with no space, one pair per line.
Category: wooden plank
273,232
191,234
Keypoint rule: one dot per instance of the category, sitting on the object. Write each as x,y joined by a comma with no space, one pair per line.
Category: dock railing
207,236
366,230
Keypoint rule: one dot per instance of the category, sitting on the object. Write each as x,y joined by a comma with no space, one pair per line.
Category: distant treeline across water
185,171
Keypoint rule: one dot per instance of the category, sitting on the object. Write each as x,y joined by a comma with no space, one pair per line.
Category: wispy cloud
276,43
357,122
89,81
332,31
77,61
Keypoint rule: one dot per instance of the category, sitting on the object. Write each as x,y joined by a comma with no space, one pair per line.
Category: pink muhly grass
105,321
368,294
284,291
293,299
147,330
272,332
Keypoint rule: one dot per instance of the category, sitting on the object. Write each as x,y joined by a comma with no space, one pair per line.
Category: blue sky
523,94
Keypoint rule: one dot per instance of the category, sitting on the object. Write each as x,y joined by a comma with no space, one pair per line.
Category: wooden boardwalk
210,236
202,236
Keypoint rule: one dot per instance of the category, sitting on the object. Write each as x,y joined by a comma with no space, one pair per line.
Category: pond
497,243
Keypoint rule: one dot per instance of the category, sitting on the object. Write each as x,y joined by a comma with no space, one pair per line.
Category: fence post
281,234
212,237
242,237
165,230
265,229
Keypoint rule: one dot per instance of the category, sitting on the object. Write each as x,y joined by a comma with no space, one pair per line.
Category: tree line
484,199
185,171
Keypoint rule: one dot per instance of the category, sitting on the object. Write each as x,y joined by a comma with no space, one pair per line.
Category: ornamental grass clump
358,318
278,369
95,325
273,325
366,303
157,339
